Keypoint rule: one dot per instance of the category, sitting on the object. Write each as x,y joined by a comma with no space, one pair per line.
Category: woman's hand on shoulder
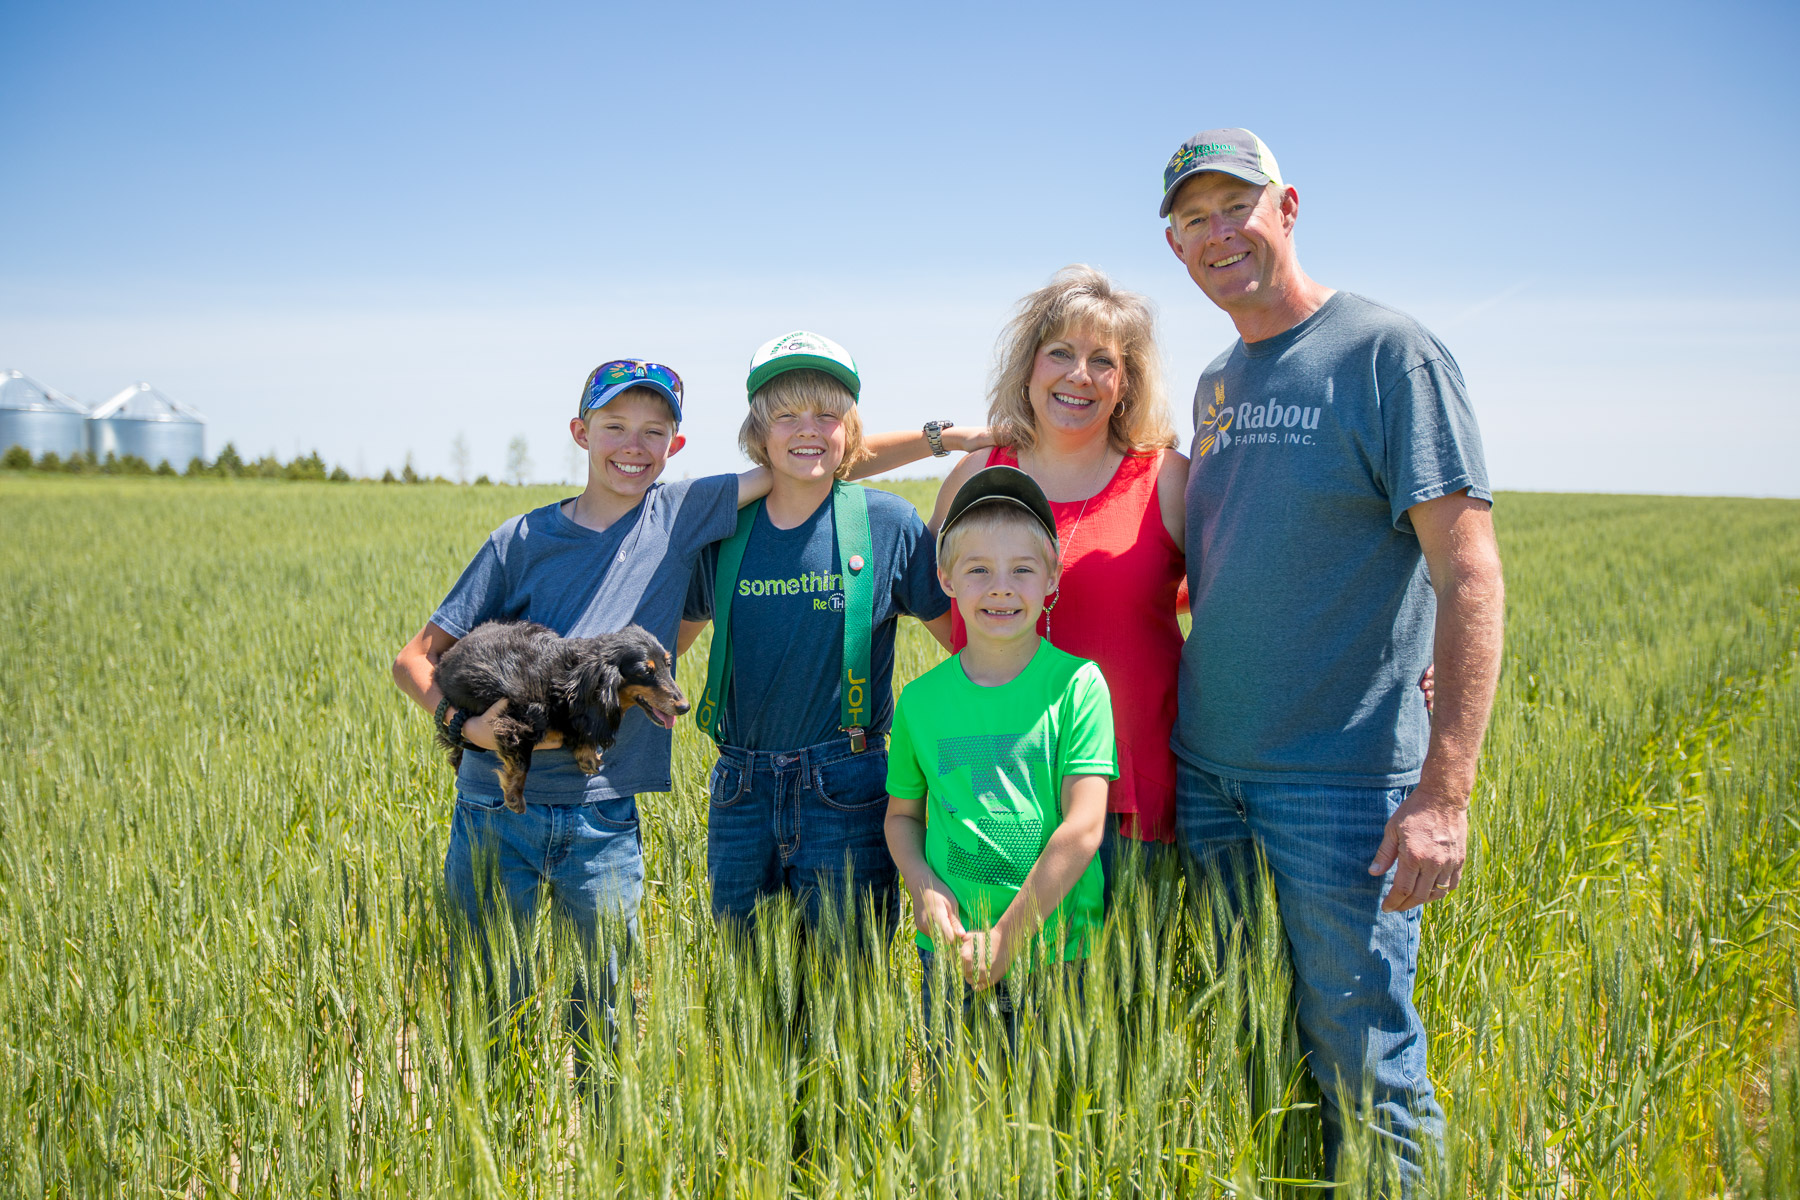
1171,495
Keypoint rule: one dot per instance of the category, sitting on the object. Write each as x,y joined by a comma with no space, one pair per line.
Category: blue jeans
808,822
587,857
1353,963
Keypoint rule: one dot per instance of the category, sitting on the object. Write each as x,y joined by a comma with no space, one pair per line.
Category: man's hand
1429,836
479,730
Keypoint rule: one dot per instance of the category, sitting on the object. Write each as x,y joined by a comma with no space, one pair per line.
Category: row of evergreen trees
228,465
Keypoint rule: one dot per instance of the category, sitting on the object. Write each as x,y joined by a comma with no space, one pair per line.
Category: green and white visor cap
793,351
1002,485
1234,151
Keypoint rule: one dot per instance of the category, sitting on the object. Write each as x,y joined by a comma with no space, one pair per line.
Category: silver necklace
1062,552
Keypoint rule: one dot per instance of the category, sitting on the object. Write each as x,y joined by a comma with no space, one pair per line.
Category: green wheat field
225,967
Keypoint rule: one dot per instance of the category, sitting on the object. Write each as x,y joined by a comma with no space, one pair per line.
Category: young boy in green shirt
1000,755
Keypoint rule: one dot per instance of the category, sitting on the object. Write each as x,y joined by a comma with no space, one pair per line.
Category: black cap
999,483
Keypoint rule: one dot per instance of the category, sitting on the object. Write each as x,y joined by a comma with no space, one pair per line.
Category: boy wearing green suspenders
805,598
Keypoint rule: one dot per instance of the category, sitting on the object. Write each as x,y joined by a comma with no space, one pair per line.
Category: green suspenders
850,523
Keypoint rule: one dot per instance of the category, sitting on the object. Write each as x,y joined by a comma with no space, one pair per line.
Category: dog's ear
593,685
617,657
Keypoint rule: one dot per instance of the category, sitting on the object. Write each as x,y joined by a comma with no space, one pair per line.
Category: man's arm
900,447
1428,834
986,954
934,904
939,627
415,673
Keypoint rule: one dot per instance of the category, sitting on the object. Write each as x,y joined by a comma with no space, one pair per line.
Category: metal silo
141,420
39,419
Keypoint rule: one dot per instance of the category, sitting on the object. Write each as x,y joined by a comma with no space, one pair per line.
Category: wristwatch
934,436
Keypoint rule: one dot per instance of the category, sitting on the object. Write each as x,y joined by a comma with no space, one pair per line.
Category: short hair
803,389
1081,297
989,517
641,393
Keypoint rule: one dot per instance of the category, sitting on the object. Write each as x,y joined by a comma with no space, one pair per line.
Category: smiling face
804,444
803,425
998,576
1235,238
627,442
1076,381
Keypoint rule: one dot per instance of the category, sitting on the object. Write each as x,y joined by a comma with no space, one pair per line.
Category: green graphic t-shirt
990,762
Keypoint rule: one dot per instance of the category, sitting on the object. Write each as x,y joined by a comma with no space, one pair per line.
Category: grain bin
38,418
141,420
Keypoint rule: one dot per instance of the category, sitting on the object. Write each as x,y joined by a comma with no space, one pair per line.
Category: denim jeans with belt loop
807,822
587,859
1354,964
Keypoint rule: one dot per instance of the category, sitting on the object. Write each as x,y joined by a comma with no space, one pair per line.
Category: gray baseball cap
1234,151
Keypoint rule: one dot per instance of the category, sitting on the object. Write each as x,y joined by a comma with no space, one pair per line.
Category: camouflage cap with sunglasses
622,374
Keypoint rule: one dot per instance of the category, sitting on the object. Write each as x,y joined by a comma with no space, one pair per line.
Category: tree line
228,465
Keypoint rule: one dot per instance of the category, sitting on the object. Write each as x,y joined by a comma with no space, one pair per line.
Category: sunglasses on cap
610,378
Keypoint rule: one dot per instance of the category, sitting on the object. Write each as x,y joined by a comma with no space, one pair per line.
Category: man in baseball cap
1338,530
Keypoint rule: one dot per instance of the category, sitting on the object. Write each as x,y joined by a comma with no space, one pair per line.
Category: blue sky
369,228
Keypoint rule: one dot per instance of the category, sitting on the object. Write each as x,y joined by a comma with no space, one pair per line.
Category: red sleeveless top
1116,606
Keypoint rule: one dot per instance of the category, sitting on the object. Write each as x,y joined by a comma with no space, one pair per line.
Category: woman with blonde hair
1077,402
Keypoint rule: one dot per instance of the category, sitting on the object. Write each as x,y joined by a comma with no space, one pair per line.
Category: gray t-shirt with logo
1313,615
581,582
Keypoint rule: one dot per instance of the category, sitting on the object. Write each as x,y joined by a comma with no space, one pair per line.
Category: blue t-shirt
787,621
1313,615
581,582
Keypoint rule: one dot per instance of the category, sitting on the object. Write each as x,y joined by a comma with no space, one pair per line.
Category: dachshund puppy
579,687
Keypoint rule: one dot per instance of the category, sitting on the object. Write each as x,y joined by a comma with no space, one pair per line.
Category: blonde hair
989,517
1081,297
802,390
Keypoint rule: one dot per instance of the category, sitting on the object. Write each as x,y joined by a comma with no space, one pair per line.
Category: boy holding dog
1001,756
805,597
620,553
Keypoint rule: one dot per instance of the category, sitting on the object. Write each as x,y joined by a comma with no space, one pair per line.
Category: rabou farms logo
1251,423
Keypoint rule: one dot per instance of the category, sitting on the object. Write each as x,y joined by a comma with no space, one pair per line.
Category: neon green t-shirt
990,762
